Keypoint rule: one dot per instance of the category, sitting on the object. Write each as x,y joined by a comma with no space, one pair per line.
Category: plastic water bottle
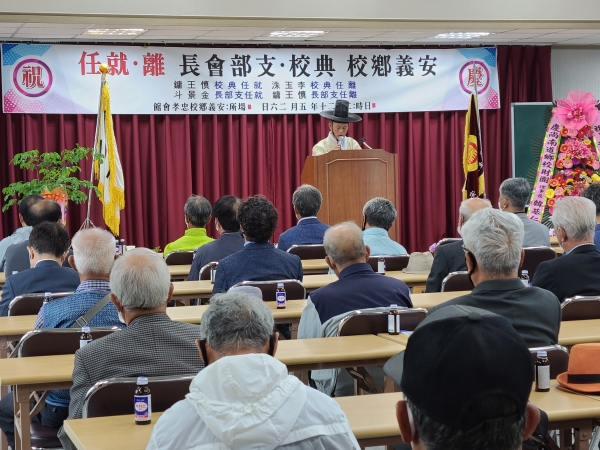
86,337
280,296
47,297
142,402
525,278
394,320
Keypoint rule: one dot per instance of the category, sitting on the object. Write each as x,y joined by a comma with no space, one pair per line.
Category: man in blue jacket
307,202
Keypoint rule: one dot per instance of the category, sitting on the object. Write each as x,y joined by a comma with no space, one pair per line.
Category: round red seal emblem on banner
474,73
32,77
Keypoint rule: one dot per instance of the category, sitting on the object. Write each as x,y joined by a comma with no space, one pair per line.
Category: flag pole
87,223
477,115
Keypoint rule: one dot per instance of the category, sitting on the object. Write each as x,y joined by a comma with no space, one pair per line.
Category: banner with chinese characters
65,79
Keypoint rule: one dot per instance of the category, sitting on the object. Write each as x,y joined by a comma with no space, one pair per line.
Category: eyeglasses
465,249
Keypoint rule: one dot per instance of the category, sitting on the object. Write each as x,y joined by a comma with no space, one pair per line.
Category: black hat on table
340,114
459,355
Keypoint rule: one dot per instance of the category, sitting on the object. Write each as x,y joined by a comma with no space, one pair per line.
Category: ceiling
394,35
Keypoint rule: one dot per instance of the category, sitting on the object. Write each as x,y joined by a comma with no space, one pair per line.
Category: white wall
575,69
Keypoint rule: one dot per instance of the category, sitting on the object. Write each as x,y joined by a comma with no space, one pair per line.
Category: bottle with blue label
280,296
142,402
85,338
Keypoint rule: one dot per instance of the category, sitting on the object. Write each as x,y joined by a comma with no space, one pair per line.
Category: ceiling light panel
296,34
114,32
461,35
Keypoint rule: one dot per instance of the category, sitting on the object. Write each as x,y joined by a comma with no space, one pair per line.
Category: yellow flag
109,173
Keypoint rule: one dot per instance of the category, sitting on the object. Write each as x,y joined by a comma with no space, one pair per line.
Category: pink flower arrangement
577,110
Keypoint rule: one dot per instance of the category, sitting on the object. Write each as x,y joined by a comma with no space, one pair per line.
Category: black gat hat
340,114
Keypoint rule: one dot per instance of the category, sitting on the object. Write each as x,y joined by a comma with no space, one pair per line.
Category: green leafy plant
52,170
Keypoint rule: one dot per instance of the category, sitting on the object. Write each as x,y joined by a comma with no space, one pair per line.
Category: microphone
363,141
342,141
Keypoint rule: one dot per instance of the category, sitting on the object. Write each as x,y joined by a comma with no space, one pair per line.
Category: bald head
94,252
471,206
344,244
44,211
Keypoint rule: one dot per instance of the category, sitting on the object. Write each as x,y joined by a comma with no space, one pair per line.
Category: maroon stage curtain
167,158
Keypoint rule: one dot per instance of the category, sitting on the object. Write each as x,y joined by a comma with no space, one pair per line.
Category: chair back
55,341
205,271
457,281
534,256
581,307
392,262
177,258
375,320
294,289
447,241
309,251
114,397
30,304
558,356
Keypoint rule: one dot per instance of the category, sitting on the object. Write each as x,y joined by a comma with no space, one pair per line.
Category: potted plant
54,177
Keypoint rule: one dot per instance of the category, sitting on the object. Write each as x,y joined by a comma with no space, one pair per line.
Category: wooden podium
347,179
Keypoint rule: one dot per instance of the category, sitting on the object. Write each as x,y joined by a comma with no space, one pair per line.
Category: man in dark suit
577,271
450,258
230,241
493,246
17,256
358,287
48,246
307,202
151,344
20,234
258,260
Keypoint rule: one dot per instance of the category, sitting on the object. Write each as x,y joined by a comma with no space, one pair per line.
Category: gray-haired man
493,247
197,211
378,216
245,398
151,344
576,272
514,195
307,201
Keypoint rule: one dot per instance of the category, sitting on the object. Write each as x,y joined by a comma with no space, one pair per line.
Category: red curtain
167,158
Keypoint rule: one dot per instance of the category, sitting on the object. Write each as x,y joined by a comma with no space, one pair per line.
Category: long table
44,373
180,272
372,419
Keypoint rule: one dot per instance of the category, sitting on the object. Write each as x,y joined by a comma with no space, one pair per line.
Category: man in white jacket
244,398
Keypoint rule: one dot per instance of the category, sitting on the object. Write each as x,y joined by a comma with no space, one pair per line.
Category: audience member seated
576,271
258,260
48,246
92,258
307,202
151,344
378,216
450,257
197,214
20,234
456,399
245,398
358,287
514,195
493,250
16,258
593,193
230,240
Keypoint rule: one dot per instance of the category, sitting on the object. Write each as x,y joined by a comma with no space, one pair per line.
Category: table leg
582,438
294,328
22,418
